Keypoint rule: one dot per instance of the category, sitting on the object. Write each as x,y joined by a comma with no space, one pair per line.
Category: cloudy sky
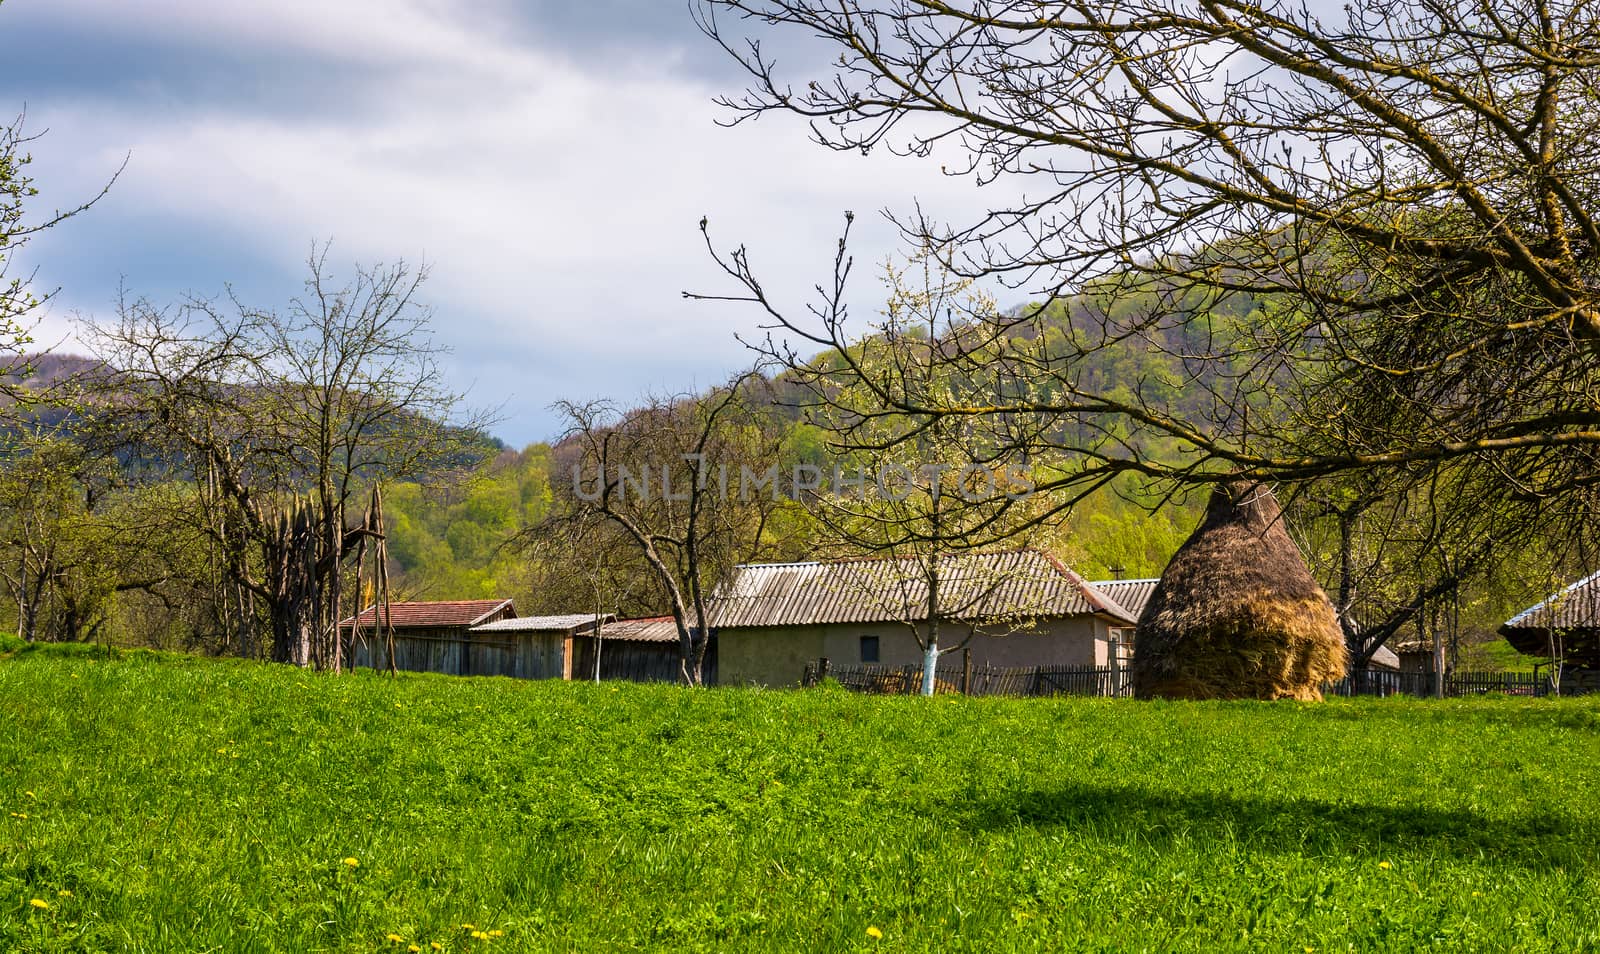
549,160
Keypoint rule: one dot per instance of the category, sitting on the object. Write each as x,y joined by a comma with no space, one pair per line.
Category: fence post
822,669
966,670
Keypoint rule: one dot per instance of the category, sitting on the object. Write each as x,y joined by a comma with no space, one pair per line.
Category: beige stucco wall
777,655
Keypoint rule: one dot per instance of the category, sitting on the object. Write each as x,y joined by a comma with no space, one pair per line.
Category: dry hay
1237,614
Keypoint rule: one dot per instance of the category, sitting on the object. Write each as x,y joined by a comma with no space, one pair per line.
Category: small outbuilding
1564,629
530,647
638,650
466,638
428,636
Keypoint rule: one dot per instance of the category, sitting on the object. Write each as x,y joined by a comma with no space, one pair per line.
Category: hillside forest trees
1357,243
1353,254
1404,195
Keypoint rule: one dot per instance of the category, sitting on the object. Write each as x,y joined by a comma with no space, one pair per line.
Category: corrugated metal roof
1576,607
540,624
1131,595
655,629
1012,584
443,613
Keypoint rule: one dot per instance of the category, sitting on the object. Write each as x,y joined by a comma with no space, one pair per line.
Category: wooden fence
1106,681
977,681
1378,682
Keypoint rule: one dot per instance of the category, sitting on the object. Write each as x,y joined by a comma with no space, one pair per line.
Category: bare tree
1393,553
1362,240
674,477
582,558
283,422
921,496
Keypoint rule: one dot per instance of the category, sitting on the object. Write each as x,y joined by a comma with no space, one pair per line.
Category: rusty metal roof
446,613
1013,584
1131,595
541,624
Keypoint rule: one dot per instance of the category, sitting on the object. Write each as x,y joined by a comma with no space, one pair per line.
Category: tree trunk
598,639
930,654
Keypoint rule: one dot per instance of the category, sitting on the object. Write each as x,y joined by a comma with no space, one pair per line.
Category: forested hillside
121,524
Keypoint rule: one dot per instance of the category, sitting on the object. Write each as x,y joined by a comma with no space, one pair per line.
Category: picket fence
1114,681
976,681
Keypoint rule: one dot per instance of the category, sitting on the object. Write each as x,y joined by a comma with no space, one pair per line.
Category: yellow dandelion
351,863
21,815
874,933
497,934
1385,865
469,927
63,893
394,939
436,945
30,794
480,935
413,948
40,903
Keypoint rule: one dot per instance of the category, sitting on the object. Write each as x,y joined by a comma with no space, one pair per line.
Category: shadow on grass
1305,826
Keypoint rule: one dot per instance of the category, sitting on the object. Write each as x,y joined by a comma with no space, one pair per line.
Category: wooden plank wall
450,651
628,661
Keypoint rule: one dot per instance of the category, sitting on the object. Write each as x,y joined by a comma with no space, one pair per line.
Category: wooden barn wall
453,652
628,661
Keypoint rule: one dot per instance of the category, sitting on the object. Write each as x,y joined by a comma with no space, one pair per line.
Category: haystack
1237,614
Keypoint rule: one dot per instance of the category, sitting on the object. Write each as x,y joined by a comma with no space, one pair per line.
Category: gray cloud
549,167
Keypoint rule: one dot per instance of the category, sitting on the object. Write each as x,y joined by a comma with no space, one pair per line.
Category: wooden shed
1565,630
530,647
428,637
637,650
464,638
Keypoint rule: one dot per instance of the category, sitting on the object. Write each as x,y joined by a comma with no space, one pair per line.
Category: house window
869,649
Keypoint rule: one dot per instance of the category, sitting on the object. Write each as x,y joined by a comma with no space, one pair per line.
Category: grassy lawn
194,805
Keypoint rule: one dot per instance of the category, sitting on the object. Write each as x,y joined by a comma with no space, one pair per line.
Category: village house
1131,595
1012,609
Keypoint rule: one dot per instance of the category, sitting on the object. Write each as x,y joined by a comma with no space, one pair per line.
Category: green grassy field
163,804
